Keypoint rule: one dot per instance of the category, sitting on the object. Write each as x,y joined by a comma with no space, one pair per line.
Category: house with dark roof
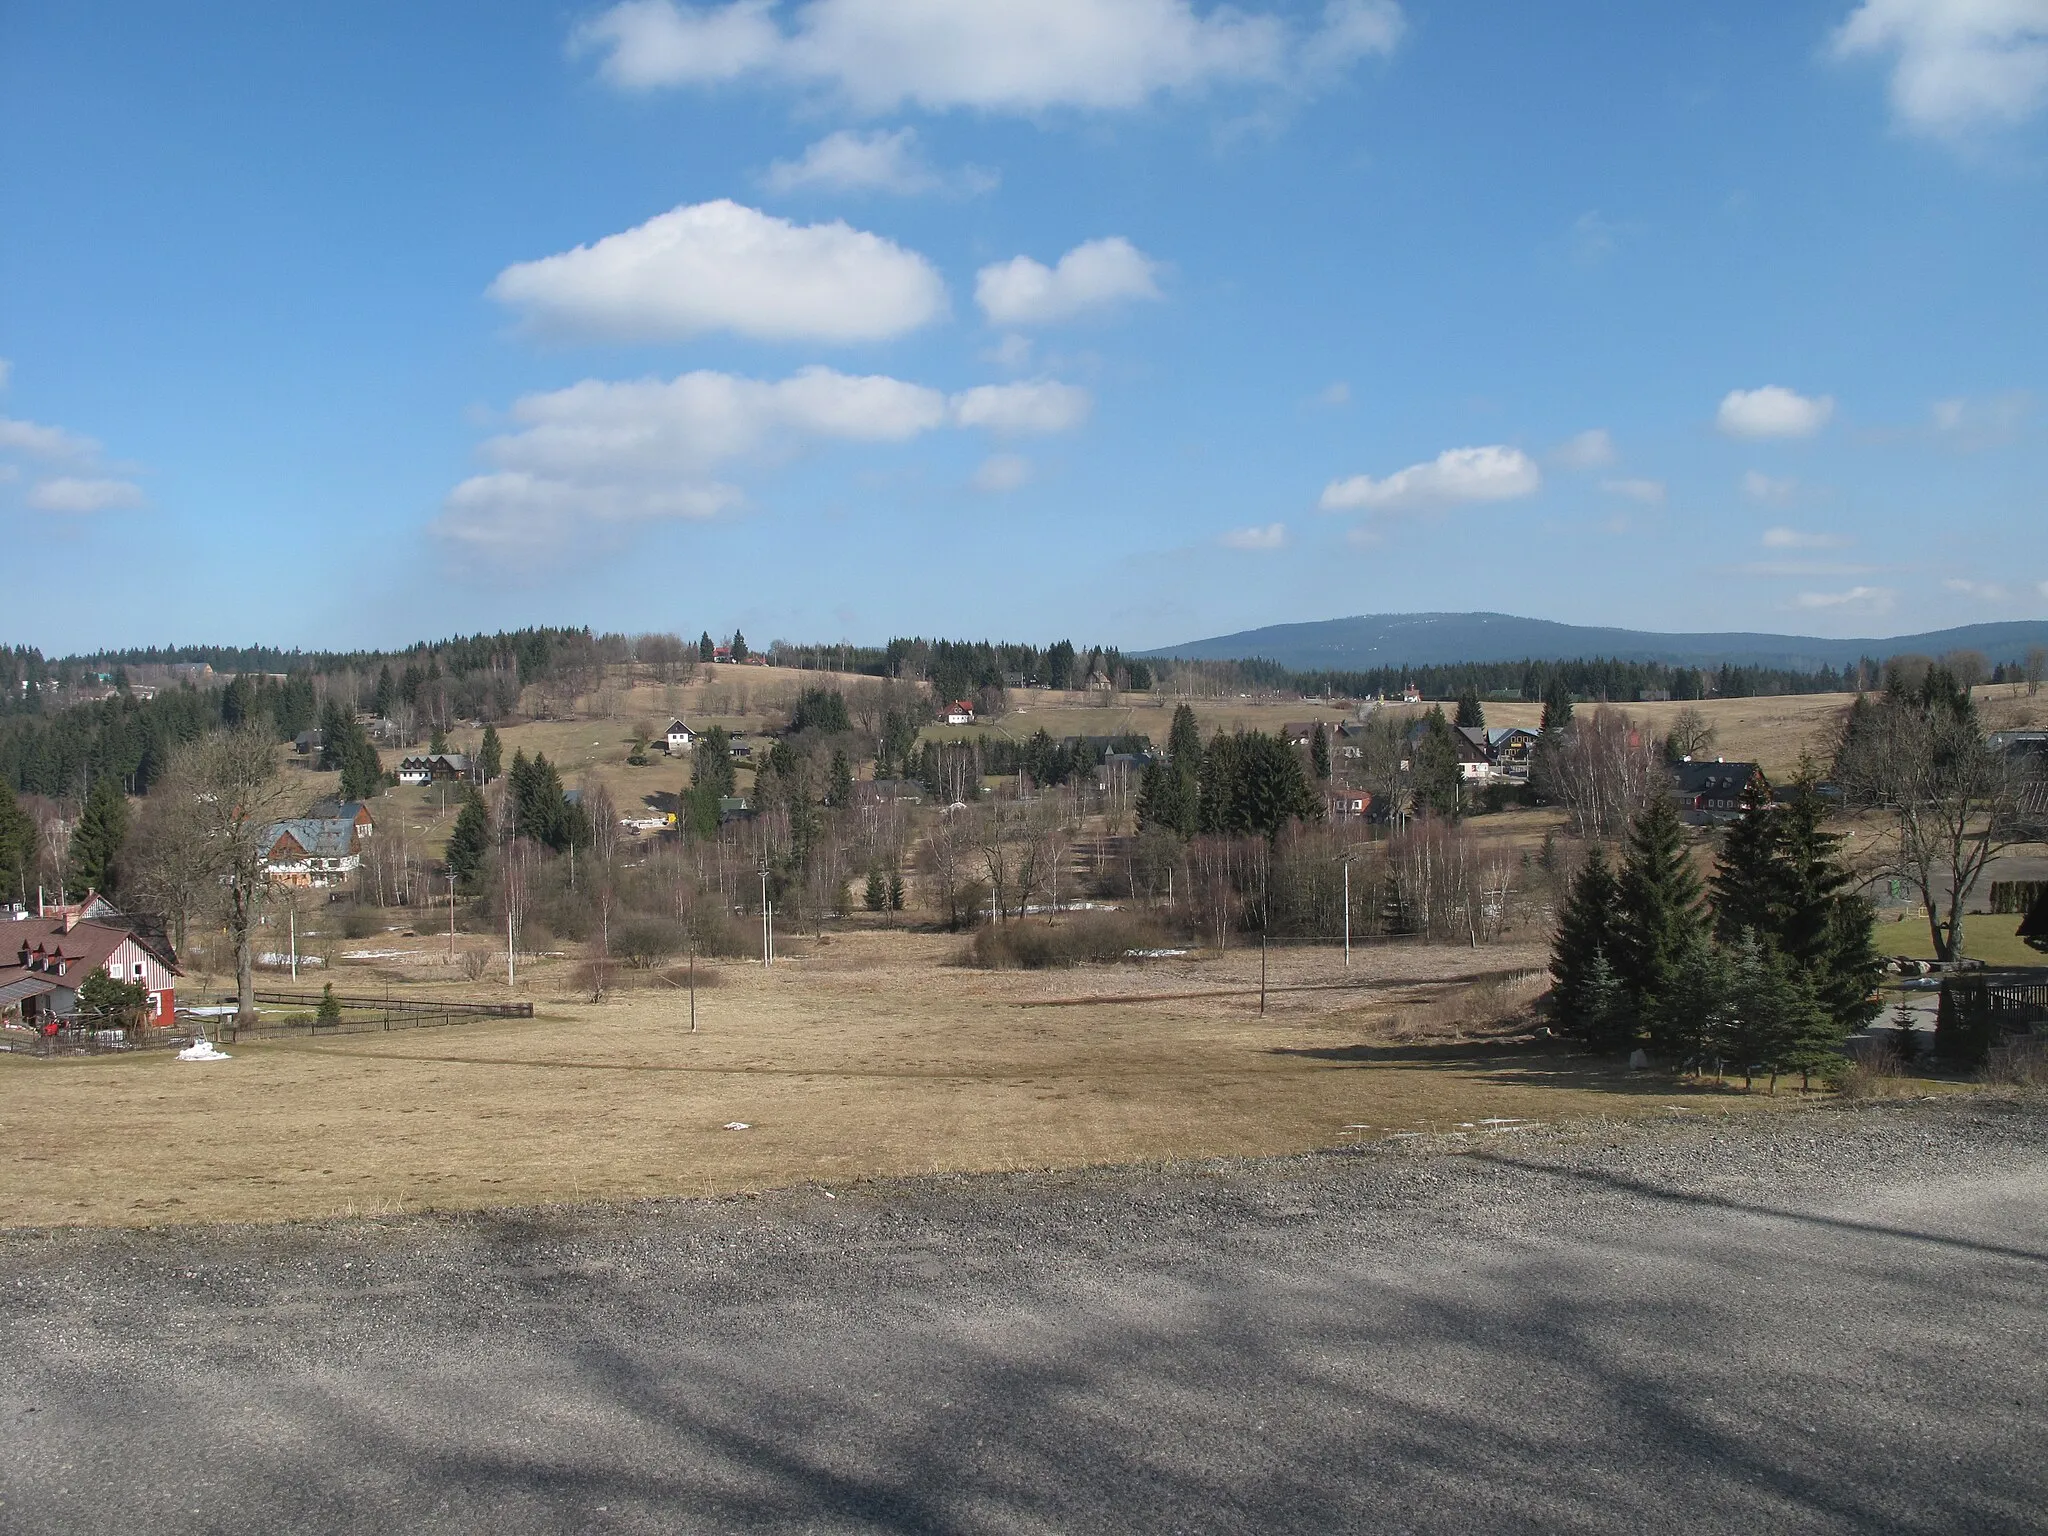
306,851
1710,793
437,768
678,738
354,812
45,960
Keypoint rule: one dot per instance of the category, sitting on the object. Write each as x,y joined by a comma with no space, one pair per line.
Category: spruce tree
1585,932
706,650
96,842
876,897
839,782
1436,766
17,845
1471,714
1686,1024
490,757
1659,899
1751,875
1319,752
439,741
469,841
739,646
1557,706
1607,1020
895,891
386,695
1825,927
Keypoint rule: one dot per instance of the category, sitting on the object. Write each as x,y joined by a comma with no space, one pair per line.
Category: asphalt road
1833,1322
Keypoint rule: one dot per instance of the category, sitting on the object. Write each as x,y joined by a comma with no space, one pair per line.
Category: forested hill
1373,641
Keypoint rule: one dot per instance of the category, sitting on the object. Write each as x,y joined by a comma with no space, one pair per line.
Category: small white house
680,738
959,712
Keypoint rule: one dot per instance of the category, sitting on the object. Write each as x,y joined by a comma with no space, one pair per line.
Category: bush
2018,1064
645,942
329,1011
361,922
1028,945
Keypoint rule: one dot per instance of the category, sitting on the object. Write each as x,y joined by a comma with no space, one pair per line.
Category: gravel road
1822,1321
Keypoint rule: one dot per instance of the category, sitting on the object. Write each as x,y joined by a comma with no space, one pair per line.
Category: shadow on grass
1515,1062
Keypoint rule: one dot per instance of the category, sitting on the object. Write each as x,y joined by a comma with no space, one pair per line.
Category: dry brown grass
869,1058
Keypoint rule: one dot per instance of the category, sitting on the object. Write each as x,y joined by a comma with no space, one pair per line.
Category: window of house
138,970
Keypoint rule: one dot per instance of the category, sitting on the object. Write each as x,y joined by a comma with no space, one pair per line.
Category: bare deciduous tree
1602,769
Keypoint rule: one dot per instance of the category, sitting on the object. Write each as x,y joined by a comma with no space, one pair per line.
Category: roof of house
458,762
1503,733
83,947
677,725
342,810
1712,778
318,838
959,707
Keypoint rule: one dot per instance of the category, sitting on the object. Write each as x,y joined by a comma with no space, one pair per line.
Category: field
869,1058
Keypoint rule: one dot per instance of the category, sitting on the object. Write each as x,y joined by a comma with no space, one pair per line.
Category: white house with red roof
45,960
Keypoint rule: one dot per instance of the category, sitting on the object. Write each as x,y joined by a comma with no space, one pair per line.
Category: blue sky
1134,320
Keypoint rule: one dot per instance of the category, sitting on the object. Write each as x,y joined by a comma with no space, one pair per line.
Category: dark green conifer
96,841
1659,898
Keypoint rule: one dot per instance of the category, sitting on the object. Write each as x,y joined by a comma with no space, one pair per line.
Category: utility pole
767,957
295,940
1347,912
693,989
1262,972
451,917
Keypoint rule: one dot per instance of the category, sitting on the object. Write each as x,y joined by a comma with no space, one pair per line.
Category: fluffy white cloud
1015,409
1592,449
1758,486
1853,600
1795,538
1272,536
1001,473
722,266
599,455
1648,492
1773,411
80,494
882,161
1091,276
1457,475
989,55
1982,591
44,442
1957,64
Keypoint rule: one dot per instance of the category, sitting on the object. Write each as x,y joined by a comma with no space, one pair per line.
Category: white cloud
882,161
1335,393
1957,64
1013,352
1272,536
1982,591
1014,409
1091,276
1758,486
80,495
1773,411
1001,473
722,266
1593,238
44,442
1970,424
1794,538
1650,493
1457,475
599,455
1592,449
987,55
1854,600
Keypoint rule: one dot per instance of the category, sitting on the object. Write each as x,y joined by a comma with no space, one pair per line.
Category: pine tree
839,782
362,771
1825,928
1471,714
876,897
17,844
490,757
1751,875
706,650
469,841
1659,899
439,741
329,1011
1436,766
1319,752
1686,1024
739,646
1557,707
895,891
1585,932
386,696
1607,1021
96,842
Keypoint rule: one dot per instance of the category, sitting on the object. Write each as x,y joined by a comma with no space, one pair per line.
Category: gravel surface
1827,1320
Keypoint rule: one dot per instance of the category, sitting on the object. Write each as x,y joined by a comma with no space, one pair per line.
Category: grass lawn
869,1057
1987,937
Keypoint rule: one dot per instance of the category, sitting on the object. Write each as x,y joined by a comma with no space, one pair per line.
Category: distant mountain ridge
1442,639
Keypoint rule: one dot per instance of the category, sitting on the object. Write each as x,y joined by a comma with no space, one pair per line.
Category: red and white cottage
45,960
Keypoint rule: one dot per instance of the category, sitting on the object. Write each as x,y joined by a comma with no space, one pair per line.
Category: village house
1710,792
355,812
678,739
1512,748
311,852
1349,804
437,768
1475,757
959,712
45,960
887,792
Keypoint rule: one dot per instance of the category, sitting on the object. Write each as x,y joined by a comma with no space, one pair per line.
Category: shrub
1041,945
645,942
361,922
2018,1064
329,1011
1873,1073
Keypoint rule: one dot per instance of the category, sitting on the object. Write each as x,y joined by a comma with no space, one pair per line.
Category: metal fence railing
361,1015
